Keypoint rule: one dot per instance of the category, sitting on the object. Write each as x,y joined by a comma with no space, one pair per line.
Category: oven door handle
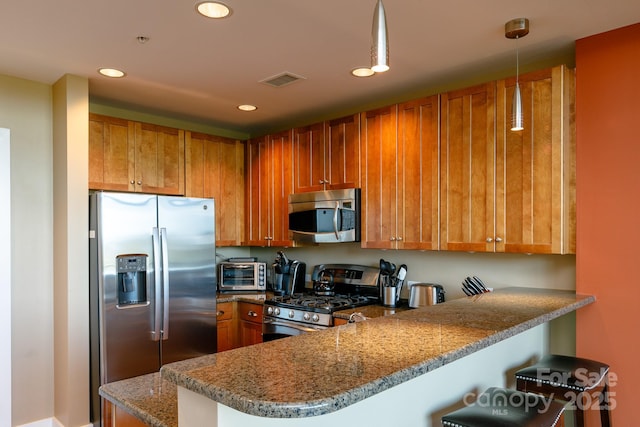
296,326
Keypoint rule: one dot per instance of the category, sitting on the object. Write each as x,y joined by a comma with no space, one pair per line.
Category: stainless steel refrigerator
152,284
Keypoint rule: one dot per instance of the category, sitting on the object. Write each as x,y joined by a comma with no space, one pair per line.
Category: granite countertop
272,379
148,397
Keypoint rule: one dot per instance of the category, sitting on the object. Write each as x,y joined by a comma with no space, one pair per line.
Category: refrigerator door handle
165,283
157,286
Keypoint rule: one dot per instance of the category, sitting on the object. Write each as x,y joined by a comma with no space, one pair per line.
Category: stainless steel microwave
242,276
331,216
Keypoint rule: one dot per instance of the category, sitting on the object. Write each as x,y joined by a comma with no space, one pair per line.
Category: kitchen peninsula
410,367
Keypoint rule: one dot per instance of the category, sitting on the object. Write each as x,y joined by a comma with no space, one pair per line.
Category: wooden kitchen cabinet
309,158
115,416
327,155
250,323
504,191
135,157
400,176
535,168
418,174
111,153
269,183
379,184
467,158
226,326
214,167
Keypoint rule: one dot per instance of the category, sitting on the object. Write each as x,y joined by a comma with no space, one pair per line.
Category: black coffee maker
289,275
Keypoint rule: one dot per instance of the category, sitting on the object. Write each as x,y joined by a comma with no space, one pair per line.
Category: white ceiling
200,69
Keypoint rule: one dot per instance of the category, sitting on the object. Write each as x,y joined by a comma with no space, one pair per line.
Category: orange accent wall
608,209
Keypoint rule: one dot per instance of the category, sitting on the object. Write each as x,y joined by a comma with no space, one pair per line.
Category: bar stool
501,407
569,379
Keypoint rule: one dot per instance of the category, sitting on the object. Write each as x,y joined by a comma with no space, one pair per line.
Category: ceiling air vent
281,79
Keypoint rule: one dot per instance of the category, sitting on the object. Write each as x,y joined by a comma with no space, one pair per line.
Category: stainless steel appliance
331,216
242,276
306,311
423,294
152,284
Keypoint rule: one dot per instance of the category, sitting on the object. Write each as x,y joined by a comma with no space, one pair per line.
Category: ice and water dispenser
132,279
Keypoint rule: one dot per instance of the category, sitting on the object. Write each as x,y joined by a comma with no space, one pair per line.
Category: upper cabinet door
159,159
379,178
136,157
111,154
342,152
535,167
309,158
259,184
467,169
418,174
215,168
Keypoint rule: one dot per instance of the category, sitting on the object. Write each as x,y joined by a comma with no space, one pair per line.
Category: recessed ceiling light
362,72
247,107
111,72
213,9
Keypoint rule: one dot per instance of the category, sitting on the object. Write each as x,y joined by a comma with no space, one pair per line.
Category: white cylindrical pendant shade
379,40
517,120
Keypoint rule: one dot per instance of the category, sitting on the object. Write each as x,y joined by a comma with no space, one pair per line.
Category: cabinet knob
321,181
399,238
139,182
220,313
489,240
132,182
498,239
392,238
252,313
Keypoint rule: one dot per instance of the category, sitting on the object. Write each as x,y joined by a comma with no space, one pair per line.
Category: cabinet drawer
224,311
250,312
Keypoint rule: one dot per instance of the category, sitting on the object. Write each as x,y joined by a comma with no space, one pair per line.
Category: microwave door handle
335,220
165,284
157,283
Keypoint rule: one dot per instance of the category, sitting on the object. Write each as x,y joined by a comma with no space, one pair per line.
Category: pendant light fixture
516,29
379,40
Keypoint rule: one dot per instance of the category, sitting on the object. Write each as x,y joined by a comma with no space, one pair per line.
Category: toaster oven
242,276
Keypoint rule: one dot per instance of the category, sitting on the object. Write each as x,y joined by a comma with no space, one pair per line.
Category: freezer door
187,234
126,275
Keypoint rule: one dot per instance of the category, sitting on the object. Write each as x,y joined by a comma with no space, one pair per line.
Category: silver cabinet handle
132,182
498,239
392,238
252,313
489,240
399,238
220,313
139,182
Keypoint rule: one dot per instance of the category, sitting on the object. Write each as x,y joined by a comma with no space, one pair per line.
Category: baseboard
47,422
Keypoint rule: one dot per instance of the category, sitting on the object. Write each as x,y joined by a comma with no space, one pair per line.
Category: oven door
273,329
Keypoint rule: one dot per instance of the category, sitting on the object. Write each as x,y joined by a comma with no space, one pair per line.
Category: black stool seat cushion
500,407
573,373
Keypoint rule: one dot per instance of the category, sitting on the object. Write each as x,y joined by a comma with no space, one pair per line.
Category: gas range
315,309
305,310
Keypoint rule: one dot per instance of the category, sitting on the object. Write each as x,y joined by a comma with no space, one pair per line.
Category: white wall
25,108
5,277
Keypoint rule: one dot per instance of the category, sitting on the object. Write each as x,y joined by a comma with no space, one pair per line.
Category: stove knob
306,316
276,311
315,318
291,314
269,310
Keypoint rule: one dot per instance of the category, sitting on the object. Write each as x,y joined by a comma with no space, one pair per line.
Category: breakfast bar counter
316,377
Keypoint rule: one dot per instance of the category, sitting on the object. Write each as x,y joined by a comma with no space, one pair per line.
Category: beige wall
25,108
